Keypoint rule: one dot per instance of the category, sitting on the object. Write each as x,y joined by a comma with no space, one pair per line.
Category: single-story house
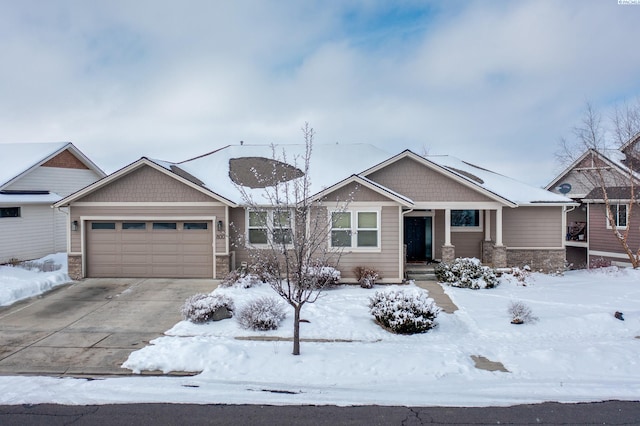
190,219
33,176
589,237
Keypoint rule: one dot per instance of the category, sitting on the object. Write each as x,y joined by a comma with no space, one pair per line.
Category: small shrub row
404,313
466,273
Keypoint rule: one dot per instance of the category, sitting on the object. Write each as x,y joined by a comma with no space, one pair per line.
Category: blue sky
496,83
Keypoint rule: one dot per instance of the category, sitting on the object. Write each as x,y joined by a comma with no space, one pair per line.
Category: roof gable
145,181
19,159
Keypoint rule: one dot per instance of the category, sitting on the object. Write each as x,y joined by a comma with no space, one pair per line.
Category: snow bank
17,283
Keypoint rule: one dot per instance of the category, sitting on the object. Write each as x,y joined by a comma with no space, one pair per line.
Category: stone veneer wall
539,260
222,266
75,267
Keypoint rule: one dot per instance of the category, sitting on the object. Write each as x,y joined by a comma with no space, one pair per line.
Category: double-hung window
619,213
358,229
269,227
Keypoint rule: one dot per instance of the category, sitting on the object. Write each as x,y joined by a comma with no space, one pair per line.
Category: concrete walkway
436,292
90,327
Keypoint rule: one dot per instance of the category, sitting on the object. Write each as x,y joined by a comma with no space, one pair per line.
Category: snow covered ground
576,351
17,283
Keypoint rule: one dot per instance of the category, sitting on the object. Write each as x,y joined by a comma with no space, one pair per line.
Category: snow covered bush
521,313
239,279
599,262
404,313
522,275
201,307
466,272
41,266
324,275
265,313
366,276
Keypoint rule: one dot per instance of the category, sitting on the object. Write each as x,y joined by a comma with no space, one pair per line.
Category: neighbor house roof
18,159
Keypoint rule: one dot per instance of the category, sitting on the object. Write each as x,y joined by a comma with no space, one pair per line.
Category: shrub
240,279
599,262
404,313
46,266
522,275
323,275
466,273
521,313
265,313
366,276
201,308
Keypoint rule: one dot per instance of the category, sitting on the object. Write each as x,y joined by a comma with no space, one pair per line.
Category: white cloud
496,83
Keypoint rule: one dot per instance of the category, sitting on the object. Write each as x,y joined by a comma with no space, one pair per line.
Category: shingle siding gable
420,183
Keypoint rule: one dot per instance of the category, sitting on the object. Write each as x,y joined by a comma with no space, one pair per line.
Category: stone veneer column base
499,257
222,266
75,267
448,254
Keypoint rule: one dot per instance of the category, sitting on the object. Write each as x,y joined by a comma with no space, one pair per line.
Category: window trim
479,228
616,206
17,208
353,212
269,227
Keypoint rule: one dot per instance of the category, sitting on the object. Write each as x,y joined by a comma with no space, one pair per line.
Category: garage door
171,249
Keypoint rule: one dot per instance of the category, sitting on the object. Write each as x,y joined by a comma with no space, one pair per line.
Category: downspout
68,233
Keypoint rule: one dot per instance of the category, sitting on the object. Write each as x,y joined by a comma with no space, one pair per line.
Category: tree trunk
296,330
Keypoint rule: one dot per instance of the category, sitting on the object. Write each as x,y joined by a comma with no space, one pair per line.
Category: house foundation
547,261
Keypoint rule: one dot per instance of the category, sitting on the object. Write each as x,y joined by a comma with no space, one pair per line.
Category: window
9,211
134,225
619,212
103,225
164,225
357,229
465,217
200,226
269,227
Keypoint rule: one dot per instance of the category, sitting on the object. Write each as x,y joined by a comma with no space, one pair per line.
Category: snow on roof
15,200
500,185
15,158
329,163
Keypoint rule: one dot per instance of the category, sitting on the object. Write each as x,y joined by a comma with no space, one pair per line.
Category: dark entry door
417,237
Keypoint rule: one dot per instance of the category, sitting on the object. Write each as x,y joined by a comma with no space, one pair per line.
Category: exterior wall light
74,225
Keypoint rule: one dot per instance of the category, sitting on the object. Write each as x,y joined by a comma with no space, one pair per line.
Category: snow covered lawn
17,283
576,351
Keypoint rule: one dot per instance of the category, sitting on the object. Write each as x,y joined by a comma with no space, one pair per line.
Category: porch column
447,227
448,251
487,225
500,251
499,226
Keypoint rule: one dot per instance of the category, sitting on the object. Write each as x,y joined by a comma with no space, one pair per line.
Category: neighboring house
189,219
33,176
589,237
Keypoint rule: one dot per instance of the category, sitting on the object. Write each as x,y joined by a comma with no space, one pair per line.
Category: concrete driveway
90,327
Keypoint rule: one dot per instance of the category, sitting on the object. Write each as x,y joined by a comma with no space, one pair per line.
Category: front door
417,237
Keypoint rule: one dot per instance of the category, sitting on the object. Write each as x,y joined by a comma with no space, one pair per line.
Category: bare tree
613,180
297,257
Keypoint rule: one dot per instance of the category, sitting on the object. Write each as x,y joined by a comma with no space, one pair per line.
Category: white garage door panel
173,253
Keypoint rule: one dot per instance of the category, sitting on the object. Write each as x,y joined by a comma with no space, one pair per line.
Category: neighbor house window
619,212
466,220
269,227
355,229
9,211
